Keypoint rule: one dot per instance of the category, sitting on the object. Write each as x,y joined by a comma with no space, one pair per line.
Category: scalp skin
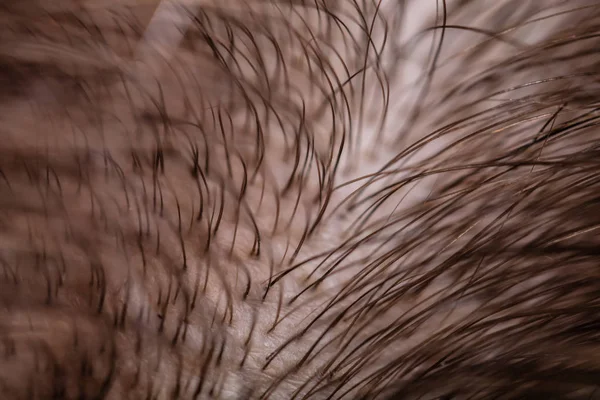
299,199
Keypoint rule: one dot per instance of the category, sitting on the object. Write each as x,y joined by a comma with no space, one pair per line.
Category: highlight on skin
308,199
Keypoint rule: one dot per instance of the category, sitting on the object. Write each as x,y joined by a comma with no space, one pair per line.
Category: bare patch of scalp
309,199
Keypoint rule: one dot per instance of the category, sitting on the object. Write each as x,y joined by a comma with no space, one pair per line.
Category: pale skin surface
215,282
181,214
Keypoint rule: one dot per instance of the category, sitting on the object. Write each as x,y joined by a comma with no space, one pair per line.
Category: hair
362,199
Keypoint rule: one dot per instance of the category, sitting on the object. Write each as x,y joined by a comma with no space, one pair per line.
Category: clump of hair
308,199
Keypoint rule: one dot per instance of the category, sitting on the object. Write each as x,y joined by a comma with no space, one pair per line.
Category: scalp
310,199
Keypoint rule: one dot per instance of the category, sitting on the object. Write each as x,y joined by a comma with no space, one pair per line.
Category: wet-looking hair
299,199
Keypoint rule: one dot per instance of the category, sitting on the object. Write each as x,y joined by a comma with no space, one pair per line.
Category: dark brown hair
299,199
